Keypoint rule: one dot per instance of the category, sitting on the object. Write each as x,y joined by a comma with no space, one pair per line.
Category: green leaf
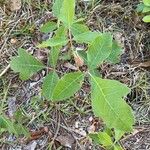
140,7
57,7
21,130
61,32
53,42
146,9
12,127
25,64
101,138
78,28
146,2
58,40
68,85
146,18
99,50
118,134
108,104
48,27
54,54
49,84
67,12
118,147
115,53
86,37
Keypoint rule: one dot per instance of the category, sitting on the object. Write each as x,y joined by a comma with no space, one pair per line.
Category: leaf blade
115,112
25,64
49,84
78,28
86,37
48,27
67,12
67,86
56,7
99,50
146,19
115,53
54,54
146,2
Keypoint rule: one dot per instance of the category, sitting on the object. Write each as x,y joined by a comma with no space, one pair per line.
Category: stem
4,71
70,39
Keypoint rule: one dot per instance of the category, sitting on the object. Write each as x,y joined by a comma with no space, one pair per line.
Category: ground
65,125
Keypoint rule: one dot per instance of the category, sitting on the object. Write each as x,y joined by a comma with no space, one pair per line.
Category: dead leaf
70,66
78,60
66,141
145,64
37,134
15,5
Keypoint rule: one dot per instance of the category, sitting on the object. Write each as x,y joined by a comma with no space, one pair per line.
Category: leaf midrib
68,85
108,101
97,53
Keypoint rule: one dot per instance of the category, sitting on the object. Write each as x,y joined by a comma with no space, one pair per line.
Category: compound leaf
49,84
67,86
25,64
67,12
108,104
48,27
99,50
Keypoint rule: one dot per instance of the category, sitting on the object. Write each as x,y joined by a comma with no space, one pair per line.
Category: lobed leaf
108,104
25,64
49,84
68,85
99,50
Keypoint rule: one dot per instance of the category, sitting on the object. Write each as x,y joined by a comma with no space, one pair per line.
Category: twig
4,71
